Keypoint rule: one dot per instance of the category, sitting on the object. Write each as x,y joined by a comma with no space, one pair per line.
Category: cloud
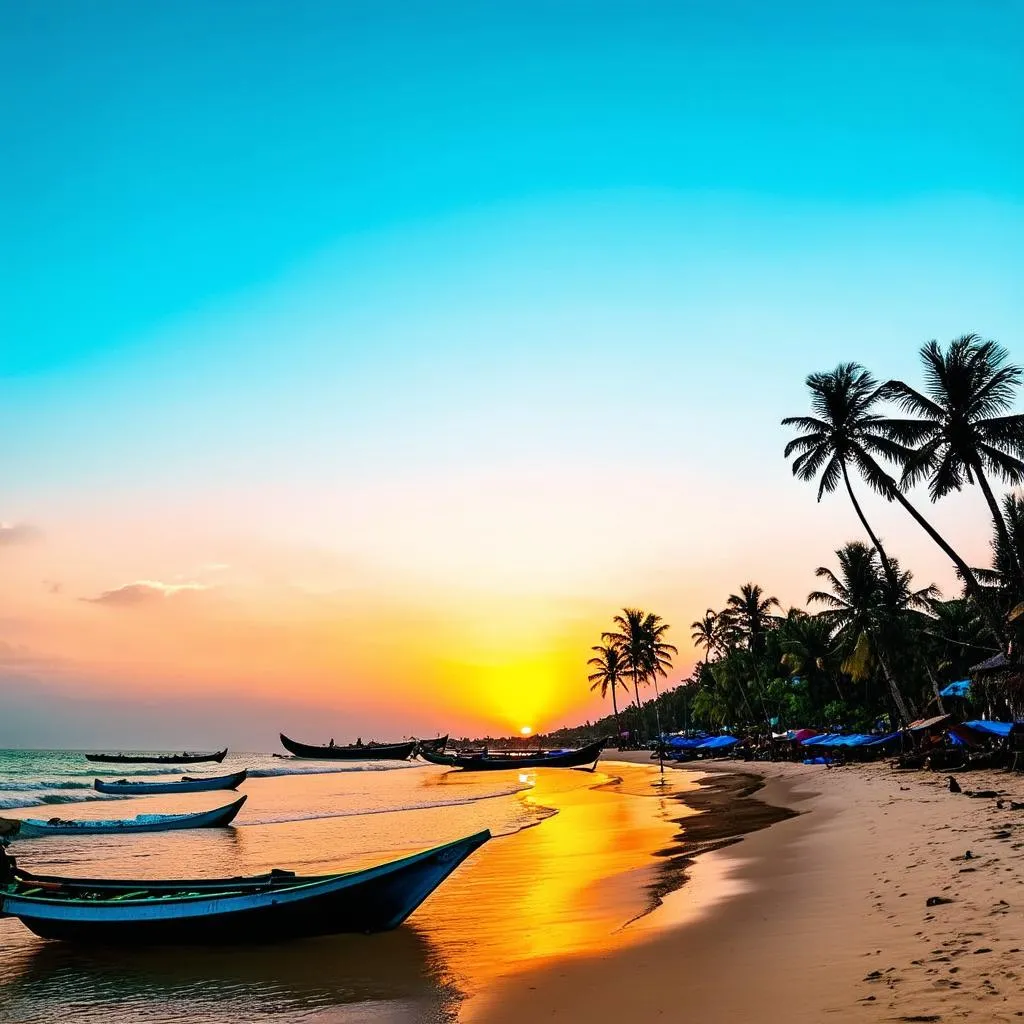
18,533
145,592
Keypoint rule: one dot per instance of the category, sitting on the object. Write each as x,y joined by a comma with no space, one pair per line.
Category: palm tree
864,608
751,611
610,672
809,651
964,431
845,430
706,633
630,640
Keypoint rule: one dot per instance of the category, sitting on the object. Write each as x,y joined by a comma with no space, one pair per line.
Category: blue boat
37,828
124,787
265,908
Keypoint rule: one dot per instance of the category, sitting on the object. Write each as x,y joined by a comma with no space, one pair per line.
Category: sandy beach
826,915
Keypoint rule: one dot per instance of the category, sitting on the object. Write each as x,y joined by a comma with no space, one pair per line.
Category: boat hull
377,899
217,818
190,786
368,752
580,758
185,758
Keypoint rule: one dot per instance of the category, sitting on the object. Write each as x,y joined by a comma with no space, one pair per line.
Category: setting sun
525,731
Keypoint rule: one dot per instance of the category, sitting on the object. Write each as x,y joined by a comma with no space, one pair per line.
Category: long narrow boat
264,908
187,757
126,787
352,751
509,760
36,828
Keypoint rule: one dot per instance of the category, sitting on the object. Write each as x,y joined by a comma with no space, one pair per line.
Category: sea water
531,894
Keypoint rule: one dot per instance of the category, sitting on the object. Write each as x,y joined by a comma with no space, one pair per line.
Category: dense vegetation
873,643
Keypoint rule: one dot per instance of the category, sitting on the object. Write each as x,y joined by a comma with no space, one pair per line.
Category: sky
358,361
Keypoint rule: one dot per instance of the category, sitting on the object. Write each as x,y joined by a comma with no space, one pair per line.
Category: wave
364,812
42,799
17,787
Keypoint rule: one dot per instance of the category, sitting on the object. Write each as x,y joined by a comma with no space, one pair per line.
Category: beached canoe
187,757
265,908
126,787
36,828
509,760
352,751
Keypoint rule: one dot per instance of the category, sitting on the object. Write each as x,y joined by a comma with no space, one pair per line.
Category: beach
826,914
736,892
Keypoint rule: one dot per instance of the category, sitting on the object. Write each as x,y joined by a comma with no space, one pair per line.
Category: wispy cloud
18,533
144,592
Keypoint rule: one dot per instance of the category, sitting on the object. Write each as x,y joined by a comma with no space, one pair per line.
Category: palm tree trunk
997,519
897,697
615,712
867,526
935,687
970,580
642,726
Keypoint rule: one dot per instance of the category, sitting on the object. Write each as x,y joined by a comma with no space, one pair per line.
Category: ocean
573,860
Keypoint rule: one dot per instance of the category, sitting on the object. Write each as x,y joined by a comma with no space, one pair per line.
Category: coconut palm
964,430
864,608
706,633
843,431
609,672
630,640
846,431
750,611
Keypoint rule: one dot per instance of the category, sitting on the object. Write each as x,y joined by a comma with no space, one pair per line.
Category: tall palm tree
631,642
846,431
751,609
965,430
706,633
658,652
843,431
609,672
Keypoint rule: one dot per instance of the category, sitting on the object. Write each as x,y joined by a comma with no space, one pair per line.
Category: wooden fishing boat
511,760
352,751
264,908
186,757
436,745
36,828
127,787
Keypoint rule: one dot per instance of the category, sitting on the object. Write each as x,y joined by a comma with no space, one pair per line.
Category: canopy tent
928,723
717,743
685,742
857,739
1000,729
961,688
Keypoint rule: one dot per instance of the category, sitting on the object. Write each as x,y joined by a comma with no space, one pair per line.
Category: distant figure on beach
331,744
954,786
359,741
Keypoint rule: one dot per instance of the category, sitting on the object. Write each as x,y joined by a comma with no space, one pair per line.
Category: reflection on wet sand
563,889
346,974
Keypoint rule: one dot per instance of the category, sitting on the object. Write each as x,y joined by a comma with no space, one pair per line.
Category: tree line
872,643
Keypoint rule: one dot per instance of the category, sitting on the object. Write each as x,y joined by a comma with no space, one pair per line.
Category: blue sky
167,155
494,307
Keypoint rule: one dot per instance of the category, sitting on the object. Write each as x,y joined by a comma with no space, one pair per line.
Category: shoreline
824,915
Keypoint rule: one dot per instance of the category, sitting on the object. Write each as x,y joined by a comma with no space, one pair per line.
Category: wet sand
823,916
